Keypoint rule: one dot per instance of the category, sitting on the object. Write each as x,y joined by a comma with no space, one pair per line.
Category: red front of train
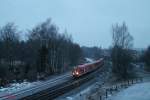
86,68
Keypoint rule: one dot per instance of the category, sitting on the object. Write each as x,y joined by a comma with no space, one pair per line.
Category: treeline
92,52
45,51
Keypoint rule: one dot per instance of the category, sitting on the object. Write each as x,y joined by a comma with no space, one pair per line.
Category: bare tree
9,37
121,37
121,51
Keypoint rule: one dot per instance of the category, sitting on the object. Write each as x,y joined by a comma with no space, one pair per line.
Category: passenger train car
81,70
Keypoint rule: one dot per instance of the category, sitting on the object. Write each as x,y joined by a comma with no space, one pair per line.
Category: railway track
35,89
53,92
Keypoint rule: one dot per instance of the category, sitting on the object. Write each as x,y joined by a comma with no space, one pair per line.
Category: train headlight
73,73
77,73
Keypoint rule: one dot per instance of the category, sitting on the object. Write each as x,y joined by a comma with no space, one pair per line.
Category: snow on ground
83,93
80,95
89,60
136,92
14,87
21,87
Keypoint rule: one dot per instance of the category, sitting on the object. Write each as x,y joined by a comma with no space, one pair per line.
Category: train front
76,72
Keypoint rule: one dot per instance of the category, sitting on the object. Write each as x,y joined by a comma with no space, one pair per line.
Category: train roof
83,65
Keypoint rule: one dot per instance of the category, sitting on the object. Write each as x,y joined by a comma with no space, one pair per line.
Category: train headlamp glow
77,73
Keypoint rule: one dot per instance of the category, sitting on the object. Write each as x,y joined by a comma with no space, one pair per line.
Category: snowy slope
18,90
17,86
135,92
89,59
14,87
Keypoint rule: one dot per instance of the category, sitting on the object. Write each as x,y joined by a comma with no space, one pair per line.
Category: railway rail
35,89
53,92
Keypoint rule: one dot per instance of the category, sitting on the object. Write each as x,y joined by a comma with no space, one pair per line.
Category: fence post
106,93
100,98
127,82
89,98
132,81
110,90
80,97
116,88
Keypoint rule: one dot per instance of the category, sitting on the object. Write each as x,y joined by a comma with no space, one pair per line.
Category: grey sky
89,21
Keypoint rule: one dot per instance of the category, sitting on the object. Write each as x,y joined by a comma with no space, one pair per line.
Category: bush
147,58
121,59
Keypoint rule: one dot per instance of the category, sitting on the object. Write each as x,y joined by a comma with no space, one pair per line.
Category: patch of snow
16,87
89,60
135,92
83,94
69,98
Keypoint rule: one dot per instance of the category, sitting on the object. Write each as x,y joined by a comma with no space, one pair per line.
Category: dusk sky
88,21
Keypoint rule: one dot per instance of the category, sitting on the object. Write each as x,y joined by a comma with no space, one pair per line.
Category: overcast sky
89,21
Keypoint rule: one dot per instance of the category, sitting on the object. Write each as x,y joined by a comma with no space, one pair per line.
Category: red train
86,68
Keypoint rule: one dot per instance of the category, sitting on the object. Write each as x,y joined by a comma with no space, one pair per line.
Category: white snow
80,95
25,87
135,92
14,87
83,94
89,60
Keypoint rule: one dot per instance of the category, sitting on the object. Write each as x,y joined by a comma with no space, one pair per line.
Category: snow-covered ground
27,88
82,93
18,86
136,92
15,87
89,60
8,93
